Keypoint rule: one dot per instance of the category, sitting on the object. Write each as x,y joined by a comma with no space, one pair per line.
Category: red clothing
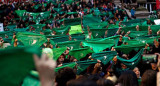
10,17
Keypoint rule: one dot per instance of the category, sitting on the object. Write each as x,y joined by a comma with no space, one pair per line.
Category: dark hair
128,78
149,78
64,75
104,82
84,82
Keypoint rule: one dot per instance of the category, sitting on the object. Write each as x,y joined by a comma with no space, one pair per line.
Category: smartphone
150,58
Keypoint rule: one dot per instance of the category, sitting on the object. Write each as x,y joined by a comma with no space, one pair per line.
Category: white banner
1,27
157,21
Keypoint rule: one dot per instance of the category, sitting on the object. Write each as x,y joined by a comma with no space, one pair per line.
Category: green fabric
155,28
34,15
32,79
7,40
11,27
71,22
62,30
60,38
21,29
45,15
135,34
80,53
57,52
128,48
16,62
75,29
111,32
83,65
78,37
68,2
31,39
98,33
70,13
98,25
47,32
71,65
90,19
38,27
36,6
50,21
129,28
70,44
99,45
133,61
5,33
104,57
58,9
112,26
147,39
20,12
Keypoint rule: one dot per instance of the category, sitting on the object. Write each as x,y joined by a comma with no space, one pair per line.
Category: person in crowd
133,12
128,78
104,82
149,78
64,75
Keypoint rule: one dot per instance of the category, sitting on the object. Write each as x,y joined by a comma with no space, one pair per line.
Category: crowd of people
127,52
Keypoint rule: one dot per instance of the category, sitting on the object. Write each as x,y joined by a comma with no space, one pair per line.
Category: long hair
128,78
149,78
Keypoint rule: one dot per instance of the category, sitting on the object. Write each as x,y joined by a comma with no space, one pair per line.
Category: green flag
80,53
133,61
71,65
62,30
99,45
83,65
71,44
32,79
134,34
75,29
60,38
128,48
31,39
38,27
16,62
20,12
104,57
57,52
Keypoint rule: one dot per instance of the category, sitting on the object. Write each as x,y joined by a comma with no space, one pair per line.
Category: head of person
149,78
128,78
61,58
104,82
83,82
123,66
137,72
137,27
117,11
111,21
148,21
153,65
133,8
64,75
156,43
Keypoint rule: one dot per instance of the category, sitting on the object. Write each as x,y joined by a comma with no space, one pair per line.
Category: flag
99,45
104,57
31,39
57,52
75,29
16,64
80,53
